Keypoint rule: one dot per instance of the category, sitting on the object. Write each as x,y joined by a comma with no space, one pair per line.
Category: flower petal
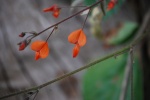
74,36
44,52
82,39
76,50
48,9
37,55
111,5
37,45
52,8
56,13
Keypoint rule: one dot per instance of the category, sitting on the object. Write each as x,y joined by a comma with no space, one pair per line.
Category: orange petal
48,9
74,36
76,50
82,39
52,8
111,5
37,45
44,52
56,13
37,55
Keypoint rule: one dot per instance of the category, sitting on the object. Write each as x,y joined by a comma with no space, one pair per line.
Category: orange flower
41,49
79,39
54,9
111,4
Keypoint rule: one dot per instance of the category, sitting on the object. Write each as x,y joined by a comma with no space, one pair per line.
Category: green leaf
89,2
109,13
103,80
125,33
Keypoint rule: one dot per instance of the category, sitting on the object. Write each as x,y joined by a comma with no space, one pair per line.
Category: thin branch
86,18
35,95
30,94
127,75
119,52
72,6
131,73
51,33
144,27
70,17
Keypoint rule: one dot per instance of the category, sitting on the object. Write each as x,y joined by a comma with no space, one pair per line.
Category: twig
86,18
131,73
35,95
31,94
125,49
129,69
144,25
127,75
89,7
72,6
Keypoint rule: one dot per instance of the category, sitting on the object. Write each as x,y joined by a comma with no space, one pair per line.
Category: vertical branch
128,75
131,73
125,82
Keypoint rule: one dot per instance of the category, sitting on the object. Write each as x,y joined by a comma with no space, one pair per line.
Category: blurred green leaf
103,80
125,33
89,2
109,13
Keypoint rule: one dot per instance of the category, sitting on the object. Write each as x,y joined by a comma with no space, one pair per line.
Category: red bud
22,34
22,45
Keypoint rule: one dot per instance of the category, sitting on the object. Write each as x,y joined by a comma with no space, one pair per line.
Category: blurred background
105,34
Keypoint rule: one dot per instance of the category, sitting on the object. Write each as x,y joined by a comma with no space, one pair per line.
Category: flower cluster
77,37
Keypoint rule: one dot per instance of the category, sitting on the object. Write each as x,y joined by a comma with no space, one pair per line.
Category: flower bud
22,34
22,45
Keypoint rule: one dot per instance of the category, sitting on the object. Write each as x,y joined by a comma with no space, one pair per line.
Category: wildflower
54,9
41,49
79,39
111,4
22,45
